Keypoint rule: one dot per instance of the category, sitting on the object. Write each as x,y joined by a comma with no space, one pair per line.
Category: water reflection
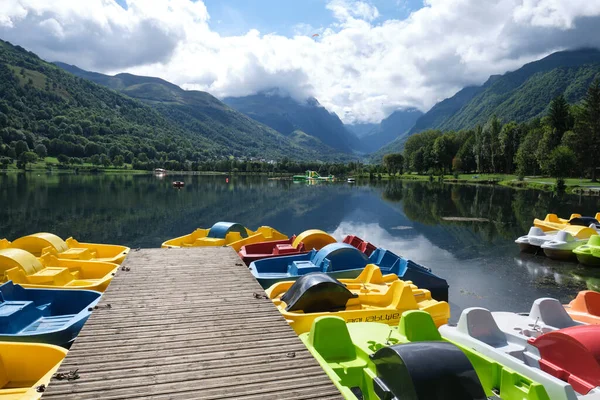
479,259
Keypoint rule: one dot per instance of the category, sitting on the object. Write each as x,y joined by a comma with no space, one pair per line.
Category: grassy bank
573,185
52,164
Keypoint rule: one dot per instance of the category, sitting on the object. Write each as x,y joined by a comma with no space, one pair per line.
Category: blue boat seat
47,324
302,268
17,315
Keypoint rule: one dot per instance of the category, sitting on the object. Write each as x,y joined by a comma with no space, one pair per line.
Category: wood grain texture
184,324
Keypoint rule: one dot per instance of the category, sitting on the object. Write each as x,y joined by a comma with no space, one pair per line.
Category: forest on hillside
563,143
45,111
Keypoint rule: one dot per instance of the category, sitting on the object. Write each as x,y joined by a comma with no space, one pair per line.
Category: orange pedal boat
585,308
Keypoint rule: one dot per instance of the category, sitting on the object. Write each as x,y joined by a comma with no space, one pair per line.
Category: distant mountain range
145,111
287,115
204,114
515,96
518,95
398,124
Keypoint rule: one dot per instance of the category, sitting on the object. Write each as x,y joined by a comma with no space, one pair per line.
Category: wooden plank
184,323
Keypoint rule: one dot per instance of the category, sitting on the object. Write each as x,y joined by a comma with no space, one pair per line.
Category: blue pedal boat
51,316
343,261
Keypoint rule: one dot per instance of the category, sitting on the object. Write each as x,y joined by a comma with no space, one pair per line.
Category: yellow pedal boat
41,243
26,369
226,234
553,223
49,272
370,297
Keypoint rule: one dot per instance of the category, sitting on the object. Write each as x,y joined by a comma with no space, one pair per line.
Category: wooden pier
188,323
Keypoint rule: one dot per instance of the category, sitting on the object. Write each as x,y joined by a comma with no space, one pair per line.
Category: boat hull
588,260
560,255
528,248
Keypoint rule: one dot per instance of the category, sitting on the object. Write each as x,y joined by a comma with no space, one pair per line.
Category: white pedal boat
546,346
559,244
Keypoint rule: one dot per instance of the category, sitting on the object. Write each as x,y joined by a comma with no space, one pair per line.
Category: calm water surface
479,259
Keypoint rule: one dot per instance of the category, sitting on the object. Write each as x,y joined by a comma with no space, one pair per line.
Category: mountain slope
445,109
518,95
287,115
43,105
395,125
203,113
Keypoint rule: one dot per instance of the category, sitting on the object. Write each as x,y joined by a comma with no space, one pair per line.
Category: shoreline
573,185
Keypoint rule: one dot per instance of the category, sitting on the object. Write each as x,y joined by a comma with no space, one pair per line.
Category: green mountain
287,115
518,95
394,126
203,114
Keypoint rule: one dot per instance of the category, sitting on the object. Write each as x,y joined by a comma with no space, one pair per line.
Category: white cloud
361,67
344,10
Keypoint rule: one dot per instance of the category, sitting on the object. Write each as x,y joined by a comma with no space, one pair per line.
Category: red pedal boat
301,244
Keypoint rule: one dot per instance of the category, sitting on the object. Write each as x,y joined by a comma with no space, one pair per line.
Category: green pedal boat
373,361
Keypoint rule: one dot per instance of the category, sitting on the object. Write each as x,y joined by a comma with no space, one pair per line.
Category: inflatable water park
374,322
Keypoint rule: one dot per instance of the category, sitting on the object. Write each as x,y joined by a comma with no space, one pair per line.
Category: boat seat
47,324
482,326
53,275
302,268
284,249
418,326
17,315
550,312
78,254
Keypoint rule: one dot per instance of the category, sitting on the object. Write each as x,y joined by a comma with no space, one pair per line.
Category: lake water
479,259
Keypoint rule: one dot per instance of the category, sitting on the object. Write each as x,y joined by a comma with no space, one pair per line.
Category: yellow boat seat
49,271
42,243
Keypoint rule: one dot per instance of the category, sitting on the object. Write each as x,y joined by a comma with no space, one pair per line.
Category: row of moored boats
378,323
375,321
48,289
576,238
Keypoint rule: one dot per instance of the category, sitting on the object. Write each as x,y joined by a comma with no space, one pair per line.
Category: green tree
480,149
393,162
491,132
21,147
525,159
105,160
466,155
41,151
26,158
63,159
5,162
560,119
118,161
561,162
510,138
443,152
417,163
591,125
95,159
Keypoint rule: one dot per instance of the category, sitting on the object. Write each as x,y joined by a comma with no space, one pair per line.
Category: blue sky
236,17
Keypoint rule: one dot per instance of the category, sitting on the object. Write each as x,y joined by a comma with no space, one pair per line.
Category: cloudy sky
370,58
